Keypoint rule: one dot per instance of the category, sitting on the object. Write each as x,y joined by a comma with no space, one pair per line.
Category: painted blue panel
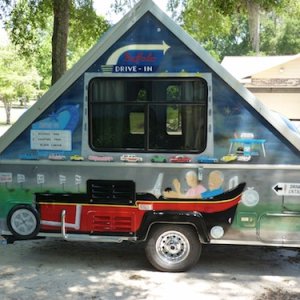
63,116
149,31
149,47
233,117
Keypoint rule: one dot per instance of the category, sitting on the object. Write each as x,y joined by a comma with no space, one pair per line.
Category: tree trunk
61,11
7,107
254,24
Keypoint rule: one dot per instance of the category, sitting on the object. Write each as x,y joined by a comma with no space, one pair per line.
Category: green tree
36,26
206,24
226,27
18,81
61,17
288,38
92,27
280,31
221,10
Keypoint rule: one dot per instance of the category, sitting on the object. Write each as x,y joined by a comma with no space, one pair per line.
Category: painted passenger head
191,178
215,180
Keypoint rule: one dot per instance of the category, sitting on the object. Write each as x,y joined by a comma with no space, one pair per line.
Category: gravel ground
55,269
15,114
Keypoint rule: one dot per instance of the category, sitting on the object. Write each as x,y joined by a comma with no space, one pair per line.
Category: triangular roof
108,40
242,67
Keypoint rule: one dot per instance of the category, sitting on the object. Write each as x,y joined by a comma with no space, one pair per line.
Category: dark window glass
148,114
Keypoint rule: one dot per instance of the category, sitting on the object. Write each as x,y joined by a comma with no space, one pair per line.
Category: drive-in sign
287,189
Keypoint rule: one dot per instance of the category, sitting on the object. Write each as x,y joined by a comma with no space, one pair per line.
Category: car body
56,156
207,160
131,158
158,159
180,159
76,157
244,158
229,158
100,158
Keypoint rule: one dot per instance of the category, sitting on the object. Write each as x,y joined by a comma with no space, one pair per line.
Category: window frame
145,106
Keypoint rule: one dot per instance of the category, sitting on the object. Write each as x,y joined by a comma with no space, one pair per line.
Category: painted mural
240,183
240,134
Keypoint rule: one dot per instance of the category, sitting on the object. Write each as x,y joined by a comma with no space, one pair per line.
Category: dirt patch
55,269
278,294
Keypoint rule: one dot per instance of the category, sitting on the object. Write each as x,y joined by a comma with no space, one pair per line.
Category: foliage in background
31,34
237,27
222,27
288,37
92,27
27,71
18,80
30,25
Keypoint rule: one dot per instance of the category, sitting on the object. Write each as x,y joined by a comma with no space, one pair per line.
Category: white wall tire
23,222
173,248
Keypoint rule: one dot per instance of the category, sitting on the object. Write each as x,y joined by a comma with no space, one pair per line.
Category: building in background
275,80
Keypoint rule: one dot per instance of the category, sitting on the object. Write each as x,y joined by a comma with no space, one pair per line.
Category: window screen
145,114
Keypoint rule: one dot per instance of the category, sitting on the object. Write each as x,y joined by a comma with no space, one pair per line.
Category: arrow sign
113,59
287,189
278,188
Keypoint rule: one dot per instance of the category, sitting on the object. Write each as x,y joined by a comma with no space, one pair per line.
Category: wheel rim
23,222
172,247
